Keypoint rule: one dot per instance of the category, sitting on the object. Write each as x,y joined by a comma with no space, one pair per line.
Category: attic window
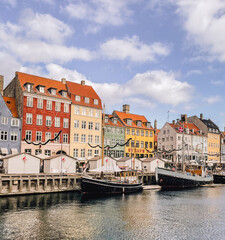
64,94
86,100
115,120
95,101
77,98
41,89
29,87
53,91
106,119
139,123
148,125
129,122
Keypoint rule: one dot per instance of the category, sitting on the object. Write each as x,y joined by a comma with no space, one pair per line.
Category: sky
162,57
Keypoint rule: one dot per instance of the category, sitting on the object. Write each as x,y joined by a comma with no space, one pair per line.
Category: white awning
4,151
14,150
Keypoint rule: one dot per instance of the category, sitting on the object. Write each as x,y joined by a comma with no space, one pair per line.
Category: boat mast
103,133
183,146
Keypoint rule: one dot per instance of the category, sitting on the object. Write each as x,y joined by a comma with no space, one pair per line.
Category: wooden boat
124,182
172,179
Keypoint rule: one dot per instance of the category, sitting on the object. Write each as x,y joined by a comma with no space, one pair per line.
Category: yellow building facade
86,121
214,147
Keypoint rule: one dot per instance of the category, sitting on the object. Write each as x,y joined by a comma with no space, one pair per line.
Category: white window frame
29,102
57,121
3,136
48,136
65,137
4,121
15,122
95,101
14,136
28,135
39,120
76,137
77,98
29,118
77,110
57,106
38,136
65,122
86,100
76,124
66,107
40,103
49,105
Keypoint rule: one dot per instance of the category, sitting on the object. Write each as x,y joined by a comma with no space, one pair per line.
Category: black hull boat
219,178
93,186
169,179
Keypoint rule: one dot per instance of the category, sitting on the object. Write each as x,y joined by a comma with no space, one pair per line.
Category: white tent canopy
107,169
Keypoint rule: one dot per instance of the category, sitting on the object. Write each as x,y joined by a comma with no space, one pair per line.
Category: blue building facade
10,127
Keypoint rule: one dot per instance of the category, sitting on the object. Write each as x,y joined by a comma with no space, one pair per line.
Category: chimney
184,118
173,122
178,120
201,116
63,80
126,108
82,82
1,84
155,124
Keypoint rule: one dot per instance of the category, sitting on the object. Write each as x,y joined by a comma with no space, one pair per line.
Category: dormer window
95,101
53,91
29,87
64,94
106,119
148,125
115,120
86,100
129,122
77,98
139,123
41,89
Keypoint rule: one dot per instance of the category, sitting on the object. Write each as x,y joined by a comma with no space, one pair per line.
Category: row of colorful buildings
45,116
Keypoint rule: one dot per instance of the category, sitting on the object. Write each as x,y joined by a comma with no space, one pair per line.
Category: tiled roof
11,104
110,123
122,116
190,126
36,81
210,124
83,91
156,135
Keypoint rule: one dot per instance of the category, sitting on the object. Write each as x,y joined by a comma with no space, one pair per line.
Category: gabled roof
11,104
122,116
210,124
41,81
76,89
111,123
190,126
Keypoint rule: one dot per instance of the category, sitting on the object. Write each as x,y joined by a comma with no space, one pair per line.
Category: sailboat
111,180
190,175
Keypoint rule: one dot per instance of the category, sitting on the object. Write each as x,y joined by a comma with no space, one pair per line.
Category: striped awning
14,150
4,151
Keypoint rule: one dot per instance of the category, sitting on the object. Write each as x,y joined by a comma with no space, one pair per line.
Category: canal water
190,214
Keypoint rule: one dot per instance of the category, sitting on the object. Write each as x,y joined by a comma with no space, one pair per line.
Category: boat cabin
194,169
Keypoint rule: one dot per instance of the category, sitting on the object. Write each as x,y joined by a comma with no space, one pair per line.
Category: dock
151,187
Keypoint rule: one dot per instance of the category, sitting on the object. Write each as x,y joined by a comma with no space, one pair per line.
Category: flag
24,159
181,129
63,159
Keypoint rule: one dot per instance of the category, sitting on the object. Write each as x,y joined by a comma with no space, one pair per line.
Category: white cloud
204,21
133,49
212,100
194,72
101,12
11,3
162,87
218,83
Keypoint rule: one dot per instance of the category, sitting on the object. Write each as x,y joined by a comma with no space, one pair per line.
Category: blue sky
164,58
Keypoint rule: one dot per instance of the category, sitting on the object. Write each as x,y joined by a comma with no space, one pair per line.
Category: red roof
190,126
118,124
122,116
46,82
156,135
11,104
83,91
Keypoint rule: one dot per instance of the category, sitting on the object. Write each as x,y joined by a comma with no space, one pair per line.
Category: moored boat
172,179
219,178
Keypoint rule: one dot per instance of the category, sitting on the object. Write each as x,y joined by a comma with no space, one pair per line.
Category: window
97,113
39,120
40,103
76,110
64,94
4,120
87,100
15,122
53,91
75,152
28,151
132,131
29,102
76,123
146,144
90,125
29,117
76,137
142,144
146,133
28,135
41,89
137,144
97,126
49,105
89,138
82,153
3,136
148,125
48,121
96,152
96,139
83,138
95,101
89,152
113,130
91,112
47,136
66,107
139,123
129,122
38,151
65,138
57,106
84,111
138,132
14,136
77,98
48,152
65,122
128,131
57,122
83,124
58,138
150,144
29,87
142,133
38,136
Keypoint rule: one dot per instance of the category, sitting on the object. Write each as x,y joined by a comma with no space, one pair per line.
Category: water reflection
192,214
